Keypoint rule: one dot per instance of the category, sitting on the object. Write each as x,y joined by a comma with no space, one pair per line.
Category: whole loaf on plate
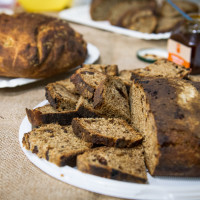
38,46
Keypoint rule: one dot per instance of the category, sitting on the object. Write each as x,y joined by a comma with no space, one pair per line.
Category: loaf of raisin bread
111,70
62,95
167,113
110,132
111,98
48,114
124,164
55,143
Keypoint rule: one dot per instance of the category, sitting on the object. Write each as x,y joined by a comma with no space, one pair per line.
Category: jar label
179,53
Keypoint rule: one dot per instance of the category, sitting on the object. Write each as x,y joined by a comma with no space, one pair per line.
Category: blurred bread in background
148,16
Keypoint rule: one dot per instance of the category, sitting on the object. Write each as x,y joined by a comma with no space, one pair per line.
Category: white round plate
93,56
157,188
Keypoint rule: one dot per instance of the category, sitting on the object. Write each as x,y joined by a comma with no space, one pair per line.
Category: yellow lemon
44,5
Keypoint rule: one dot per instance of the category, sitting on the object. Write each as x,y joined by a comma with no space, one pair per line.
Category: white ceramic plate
158,188
81,15
93,55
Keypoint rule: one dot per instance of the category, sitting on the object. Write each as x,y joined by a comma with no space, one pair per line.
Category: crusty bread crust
37,117
38,46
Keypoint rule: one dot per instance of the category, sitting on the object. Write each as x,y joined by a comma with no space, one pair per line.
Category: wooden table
20,179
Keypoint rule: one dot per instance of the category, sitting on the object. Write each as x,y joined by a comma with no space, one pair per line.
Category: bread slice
161,68
86,81
142,20
100,9
85,108
124,164
55,143
62,95
167,113
47,114
111,70
118,11
110,132
111,98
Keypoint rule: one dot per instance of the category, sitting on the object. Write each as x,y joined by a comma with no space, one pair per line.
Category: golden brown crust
38,46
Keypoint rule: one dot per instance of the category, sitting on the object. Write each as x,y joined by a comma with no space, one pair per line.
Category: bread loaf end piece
167,112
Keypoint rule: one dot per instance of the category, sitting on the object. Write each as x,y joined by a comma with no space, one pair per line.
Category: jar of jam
184,45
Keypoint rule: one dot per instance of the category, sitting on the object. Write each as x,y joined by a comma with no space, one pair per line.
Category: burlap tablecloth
19,178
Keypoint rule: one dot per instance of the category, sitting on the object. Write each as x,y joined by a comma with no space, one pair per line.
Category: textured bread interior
111,127
54,143
112,99
61,95
129,161
142,120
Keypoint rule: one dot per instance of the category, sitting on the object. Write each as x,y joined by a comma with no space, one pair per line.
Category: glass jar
184,45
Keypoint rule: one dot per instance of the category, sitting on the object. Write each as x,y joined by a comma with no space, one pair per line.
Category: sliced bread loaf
111,98
110,132
86,81
62,95
125,164
55,143
48,114
167,113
